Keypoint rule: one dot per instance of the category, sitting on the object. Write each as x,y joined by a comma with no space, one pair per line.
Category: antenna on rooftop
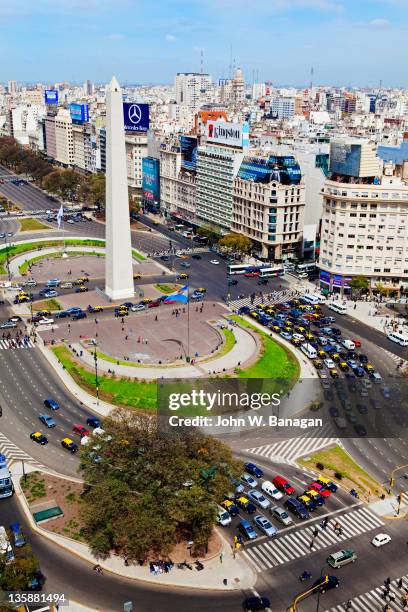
311,77
202,61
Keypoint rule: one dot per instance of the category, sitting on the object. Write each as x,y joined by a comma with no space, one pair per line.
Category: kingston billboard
231,134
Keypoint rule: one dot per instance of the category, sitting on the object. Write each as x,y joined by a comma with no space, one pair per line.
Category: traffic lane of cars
369,571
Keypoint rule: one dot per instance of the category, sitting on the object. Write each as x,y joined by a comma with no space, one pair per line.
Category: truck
6,483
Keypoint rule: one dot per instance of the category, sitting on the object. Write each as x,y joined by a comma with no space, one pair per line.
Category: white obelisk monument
118,260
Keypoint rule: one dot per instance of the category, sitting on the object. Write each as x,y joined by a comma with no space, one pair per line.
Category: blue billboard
79,113
51,96
188,145
136,117
151,182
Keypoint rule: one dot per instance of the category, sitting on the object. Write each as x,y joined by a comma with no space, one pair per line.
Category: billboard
345,159
136,117
151,181
188,145
79,113
231,134
51,96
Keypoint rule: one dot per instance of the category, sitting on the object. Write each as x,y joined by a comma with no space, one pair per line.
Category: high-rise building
136,150
238,87
50,138
12,87
283,107
268,206
177,184
364,228
191,87
64,137
88,88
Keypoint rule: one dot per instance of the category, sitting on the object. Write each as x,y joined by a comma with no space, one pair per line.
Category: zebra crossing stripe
6,344
287,451
372,601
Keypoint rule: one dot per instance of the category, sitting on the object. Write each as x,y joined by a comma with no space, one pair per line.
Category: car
334,411
17,533
69,445
70,221
384,390
265,525
326,482
307,502
320,488
50,293
297,508
8,325
232,282
46,321
185,264
81,431
154,303
362,408
214,262
47,420
165,258
230,507
253,469
51,403
286,335
271,490
330,365
333,373
315,496
281,516
93,421
357,342
340,422
253,604
351,417
126,305
325,583
244,503
95,308
259,499
360,430
381,539
137,276
81,289
62,314
251,274
79,315
53,282
247,530
282,485
38,437
343,366
248,480
238,486
341,557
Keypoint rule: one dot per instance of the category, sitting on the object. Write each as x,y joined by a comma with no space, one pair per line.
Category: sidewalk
238,574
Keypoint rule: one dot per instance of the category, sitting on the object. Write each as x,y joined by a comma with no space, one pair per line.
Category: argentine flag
180,296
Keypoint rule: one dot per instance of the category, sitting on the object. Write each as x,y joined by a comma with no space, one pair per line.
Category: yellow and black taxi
95,308
38,437
276,329
321,354
69,445
368,367
81,289
318,363
333,373
121,311
336,357
309,336
201,290
343,366
308,503
296,341
254,314
145,301
230,507
21,298
316,497
137,276
83,279
43,313
182,276
270,310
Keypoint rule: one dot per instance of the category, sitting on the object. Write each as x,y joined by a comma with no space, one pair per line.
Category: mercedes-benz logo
134,114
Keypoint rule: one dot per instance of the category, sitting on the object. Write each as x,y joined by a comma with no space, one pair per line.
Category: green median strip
30,225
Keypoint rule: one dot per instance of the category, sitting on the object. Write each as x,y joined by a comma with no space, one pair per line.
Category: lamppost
7,255
95,356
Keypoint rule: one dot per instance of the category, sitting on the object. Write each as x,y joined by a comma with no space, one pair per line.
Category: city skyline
361,43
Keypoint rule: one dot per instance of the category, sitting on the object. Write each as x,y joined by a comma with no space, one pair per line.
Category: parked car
248,480
265,526
253,469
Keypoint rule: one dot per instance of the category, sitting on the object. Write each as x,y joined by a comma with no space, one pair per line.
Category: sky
348,42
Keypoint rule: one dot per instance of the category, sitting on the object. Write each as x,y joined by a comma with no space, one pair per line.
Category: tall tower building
118,260
238,86
190,88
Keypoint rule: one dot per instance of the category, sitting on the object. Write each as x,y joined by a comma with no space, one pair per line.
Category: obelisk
118,260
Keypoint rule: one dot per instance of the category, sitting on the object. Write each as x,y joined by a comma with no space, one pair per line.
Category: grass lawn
24,266
51,304
276,361
30,224
166,288
336,461
118,391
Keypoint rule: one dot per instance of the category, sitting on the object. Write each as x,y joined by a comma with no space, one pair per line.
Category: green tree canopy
209,232
92,190
17,575
359,284
147,491
236,243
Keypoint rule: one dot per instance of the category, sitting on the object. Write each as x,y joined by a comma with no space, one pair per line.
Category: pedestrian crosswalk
291,449
374,600
296,544
14,344
276,297
13,453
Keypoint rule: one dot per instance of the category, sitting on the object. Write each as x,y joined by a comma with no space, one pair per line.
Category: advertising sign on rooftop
79,113
51,96
136,117
188,146
231,134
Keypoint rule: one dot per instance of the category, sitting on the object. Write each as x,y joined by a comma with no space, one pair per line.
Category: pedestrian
126,560
387,581
311,544
340,531
225,582
315,532
126,337
399,583
155,318
221,556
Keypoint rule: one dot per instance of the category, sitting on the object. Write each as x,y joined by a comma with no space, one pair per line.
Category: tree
64,183
17,575
236,243
210,233
359,284
146,490
92,190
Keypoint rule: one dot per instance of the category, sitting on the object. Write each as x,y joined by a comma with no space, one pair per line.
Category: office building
12,87
191,88
282,107
268,206
177,184
136,150
64,138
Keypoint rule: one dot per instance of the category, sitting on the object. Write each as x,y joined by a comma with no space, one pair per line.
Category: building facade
190,88
64,138
136,150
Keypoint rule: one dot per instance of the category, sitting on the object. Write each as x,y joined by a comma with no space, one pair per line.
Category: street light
7,255
95,356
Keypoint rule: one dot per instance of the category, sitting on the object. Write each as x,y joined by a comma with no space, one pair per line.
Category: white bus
311,299
268,272
399,338
306,267
239,268
339,308
309,350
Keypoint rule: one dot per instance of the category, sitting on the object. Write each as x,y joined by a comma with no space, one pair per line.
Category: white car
67,285
270,489
215,262
380,540
329,363
70,221
137,307
299,337
46,321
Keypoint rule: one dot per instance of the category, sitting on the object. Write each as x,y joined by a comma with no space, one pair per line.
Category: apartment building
64,139
177,185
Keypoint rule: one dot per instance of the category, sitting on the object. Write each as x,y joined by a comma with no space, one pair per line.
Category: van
349,345
342,557
339,308
309,350
398,338
298,509
376,377
223,517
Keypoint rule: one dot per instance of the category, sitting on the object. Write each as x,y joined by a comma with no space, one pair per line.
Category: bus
268,272
313,299
339,308
239,268
306,267
401,339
